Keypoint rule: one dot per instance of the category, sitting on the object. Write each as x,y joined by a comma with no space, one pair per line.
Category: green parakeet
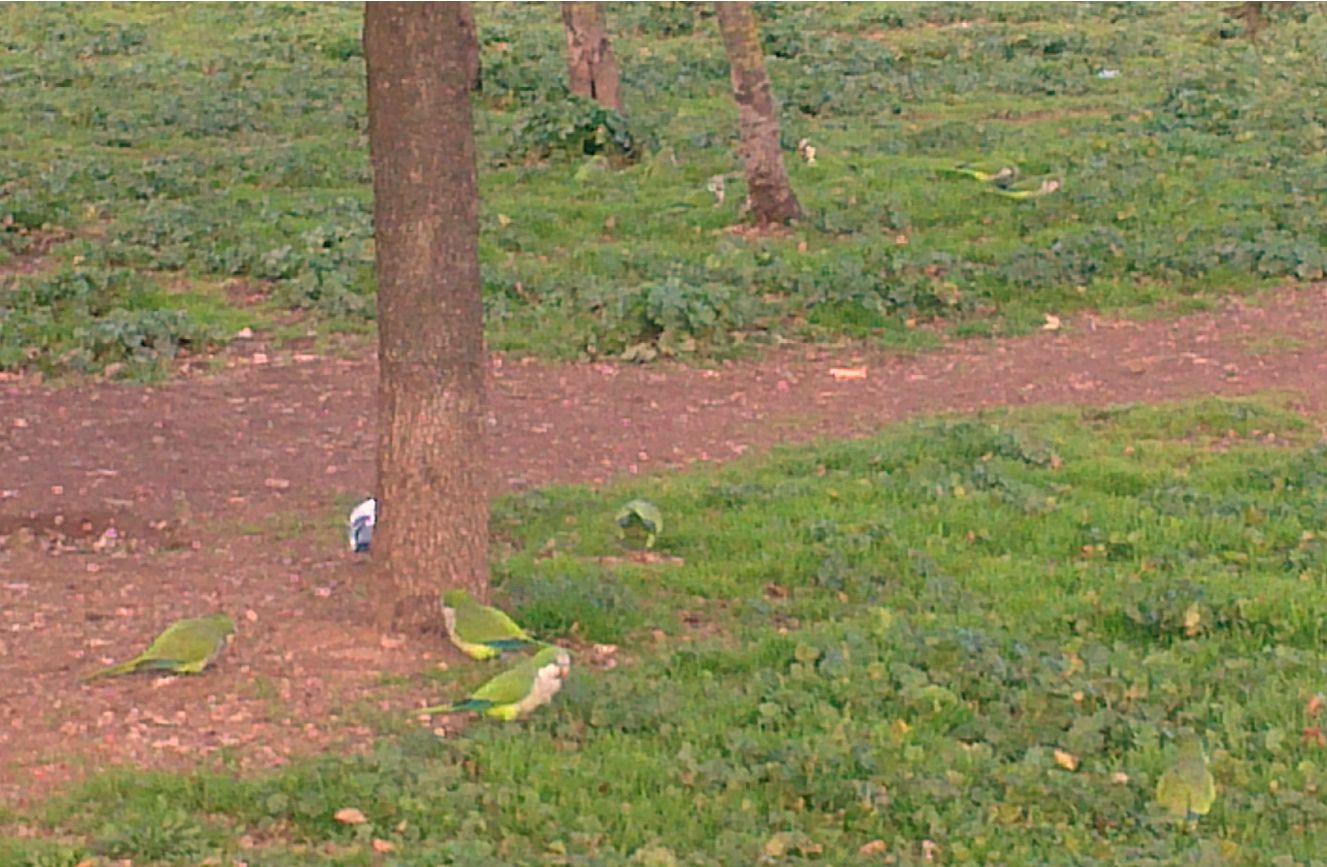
1004,173
1029,189
1187,789
480,631
640,516
185,647
518,691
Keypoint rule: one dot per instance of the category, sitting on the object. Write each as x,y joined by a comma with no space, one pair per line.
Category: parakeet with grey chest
481,631
517,692
184,647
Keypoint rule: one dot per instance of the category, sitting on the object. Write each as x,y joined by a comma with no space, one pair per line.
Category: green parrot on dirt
1032,188
640,517
518,691
1004,173
185,647
480,631
1186,790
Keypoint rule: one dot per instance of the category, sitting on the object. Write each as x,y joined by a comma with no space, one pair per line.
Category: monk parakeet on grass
481,631
519,690
1187,789
1030,189
362,519
640,517
185,647
1004,173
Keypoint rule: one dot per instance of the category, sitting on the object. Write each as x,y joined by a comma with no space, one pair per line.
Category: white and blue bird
362,519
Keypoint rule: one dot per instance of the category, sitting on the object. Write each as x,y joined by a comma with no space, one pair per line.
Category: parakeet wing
484,624
999,174
1202,804
1181,796
1029,189
1187,788
648,514
510,686
190,640
184,646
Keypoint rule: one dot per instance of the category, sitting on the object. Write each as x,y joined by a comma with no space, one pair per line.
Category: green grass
878,640
227,140
1272,344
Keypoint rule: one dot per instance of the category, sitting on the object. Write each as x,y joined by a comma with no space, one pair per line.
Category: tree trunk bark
769,194
432,524
590,62
468,22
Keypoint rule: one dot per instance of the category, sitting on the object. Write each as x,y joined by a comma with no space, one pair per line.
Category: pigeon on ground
361,525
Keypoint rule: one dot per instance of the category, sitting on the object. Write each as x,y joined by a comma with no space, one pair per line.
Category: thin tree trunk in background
432,528
768,191
1253,15
590,62
468,22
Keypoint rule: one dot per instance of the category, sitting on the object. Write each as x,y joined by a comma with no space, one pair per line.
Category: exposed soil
218,489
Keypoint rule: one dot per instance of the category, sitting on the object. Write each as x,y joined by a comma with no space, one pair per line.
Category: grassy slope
226,141
887,639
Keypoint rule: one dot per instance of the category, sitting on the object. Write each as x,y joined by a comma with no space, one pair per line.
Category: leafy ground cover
219,152
971,639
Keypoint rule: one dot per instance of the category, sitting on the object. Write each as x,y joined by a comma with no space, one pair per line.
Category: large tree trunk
433,500
768,191
590,62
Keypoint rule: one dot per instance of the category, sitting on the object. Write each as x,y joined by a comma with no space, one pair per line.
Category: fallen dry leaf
1315,704
383,846
847,373
1192,620
1052,323
349,816
1066,760
1119,778
875,847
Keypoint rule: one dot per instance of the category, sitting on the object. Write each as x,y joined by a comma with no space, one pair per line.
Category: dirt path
201,479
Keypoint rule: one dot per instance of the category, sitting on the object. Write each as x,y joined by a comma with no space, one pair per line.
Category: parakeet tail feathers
510,643
112,670
474,704
136,664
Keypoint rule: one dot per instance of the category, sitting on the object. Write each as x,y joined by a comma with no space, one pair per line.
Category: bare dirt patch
232,486
34,257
